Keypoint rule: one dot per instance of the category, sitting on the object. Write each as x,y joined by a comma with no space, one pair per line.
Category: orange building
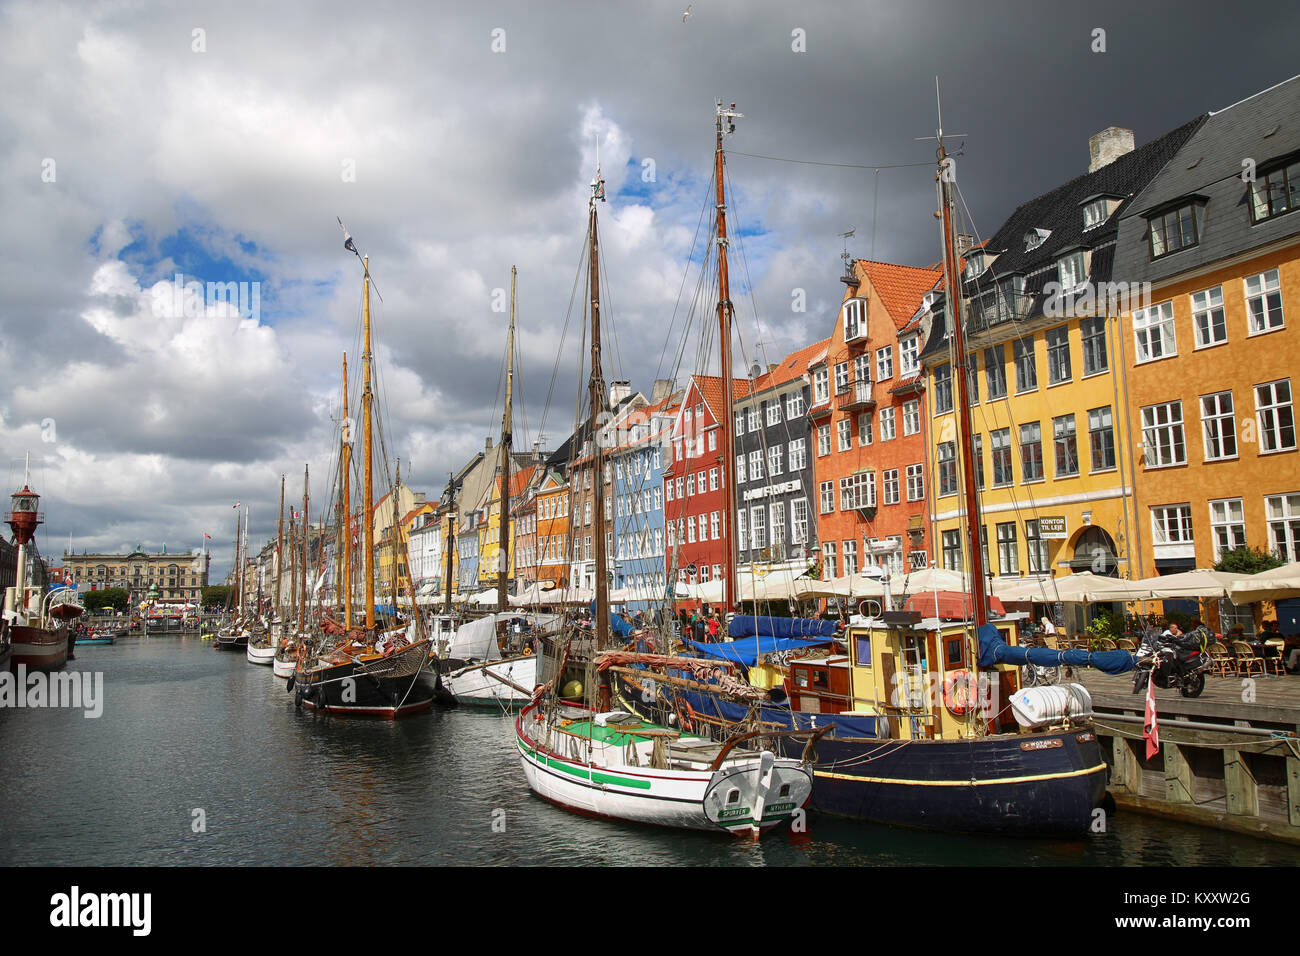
868,429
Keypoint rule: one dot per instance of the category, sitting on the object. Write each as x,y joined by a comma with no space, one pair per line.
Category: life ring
528,652
955,698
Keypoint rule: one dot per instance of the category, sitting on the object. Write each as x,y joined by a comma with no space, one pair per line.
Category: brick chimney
618,391
662,389
1107,146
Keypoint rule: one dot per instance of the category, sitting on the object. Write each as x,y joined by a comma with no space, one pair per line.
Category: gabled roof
900,287
788,369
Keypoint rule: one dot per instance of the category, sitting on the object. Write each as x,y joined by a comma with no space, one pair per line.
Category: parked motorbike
1177,661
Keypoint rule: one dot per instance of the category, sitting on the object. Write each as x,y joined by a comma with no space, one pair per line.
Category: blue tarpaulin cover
745,625
620,627
746,650
994,650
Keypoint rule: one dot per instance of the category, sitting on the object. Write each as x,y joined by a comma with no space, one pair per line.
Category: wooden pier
1228,759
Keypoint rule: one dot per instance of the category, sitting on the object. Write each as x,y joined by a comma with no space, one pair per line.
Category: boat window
953,645
862,651
820,679
733,796
785,790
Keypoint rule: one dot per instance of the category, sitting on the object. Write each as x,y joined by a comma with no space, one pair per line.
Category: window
1071,270
865,428
823,440
753,419
1162,435
758,526
952,550
778,522
1207,317
1000,448
773,411
972,379
794,405
1058,355
827,496
858,491
798,455
799,521
1026,366
995,372
912,417
854,320
1095,213
841,377
851,557
740,471
977,453
742,530
884,363
1008,560
1227,525
1275,192
909,355
1172,231
915,482
1031,452
1218,430
943,389
887,423
1283,514
774,467
862,368
690,482
690,530
713,525
1264,302
1276,416
828,557
713,478
844,434
947,468
821,386
1101,438
713,439
1066,445
740,423
1172,524
1094,345
889,486
755,465
1153,332
1036,548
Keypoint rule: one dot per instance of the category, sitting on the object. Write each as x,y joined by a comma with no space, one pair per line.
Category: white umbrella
1190,584
930,579
1274,585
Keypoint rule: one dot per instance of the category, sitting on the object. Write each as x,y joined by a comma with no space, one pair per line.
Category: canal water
199,758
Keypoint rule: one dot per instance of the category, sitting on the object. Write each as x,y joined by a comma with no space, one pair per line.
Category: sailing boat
475,671
235,635
262,646
917,736
37,619
361,671
578,753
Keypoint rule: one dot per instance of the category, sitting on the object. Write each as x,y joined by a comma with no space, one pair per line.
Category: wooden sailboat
364,671
235,635
262,644
578,753
920,731
474,672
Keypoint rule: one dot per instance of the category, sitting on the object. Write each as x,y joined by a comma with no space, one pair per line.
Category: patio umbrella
1276,584
1190,584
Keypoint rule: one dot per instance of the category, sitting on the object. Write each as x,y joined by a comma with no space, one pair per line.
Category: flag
237,504
208,536
1151,732
67,579
351,246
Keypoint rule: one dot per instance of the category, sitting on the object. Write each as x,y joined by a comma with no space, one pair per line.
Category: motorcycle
1175,662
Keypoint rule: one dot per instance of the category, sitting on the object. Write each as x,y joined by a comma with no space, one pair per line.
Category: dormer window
975,264
1172,230
1072,269
1275,192
1035,238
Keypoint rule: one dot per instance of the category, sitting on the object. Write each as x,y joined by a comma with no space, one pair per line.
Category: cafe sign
1053,528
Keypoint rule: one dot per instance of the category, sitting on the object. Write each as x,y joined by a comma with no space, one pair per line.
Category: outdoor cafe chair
1221,662
1247,662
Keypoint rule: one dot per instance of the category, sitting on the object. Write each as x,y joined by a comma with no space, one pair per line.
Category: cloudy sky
220,140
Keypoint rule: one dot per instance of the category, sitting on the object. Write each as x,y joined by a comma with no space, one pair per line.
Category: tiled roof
900,287
788,369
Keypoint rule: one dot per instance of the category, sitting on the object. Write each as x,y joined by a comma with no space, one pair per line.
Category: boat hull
386,688
40,648
1045,783
260,655
230,641
682,799
283,668
474,685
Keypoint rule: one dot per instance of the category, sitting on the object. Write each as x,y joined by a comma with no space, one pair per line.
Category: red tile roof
791,367
900,287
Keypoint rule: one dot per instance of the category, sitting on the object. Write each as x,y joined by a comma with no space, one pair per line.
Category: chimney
1107,146
618,392
964,243
662,389
487,444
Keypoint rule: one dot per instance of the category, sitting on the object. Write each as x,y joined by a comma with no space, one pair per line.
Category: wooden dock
1228,759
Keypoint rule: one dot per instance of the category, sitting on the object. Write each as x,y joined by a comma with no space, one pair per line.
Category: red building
868,440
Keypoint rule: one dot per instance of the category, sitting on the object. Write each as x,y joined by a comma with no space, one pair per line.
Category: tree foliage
112,598
217,595
1247,560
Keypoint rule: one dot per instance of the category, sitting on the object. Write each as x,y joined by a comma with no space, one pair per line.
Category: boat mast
507,438
451,529
597,401
367,400
293,566
306,528
239,567
279,557
345,543
952,281
725,313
